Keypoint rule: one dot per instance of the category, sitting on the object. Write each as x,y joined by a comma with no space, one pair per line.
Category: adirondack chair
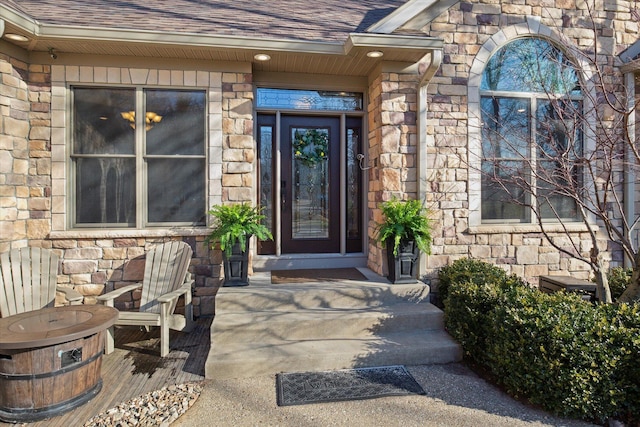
165,279
28,281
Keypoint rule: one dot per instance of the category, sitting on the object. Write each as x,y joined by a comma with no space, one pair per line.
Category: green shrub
467,270
569,356
619,279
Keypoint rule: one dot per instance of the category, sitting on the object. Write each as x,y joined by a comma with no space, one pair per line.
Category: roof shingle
319,20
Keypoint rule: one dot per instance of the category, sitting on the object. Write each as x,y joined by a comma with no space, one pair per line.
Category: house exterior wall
393,145
472,31
34,126
34,152
25,180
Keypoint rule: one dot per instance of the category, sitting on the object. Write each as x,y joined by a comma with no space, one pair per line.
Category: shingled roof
318,20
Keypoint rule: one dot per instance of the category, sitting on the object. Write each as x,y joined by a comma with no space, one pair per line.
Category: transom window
531,106
138,157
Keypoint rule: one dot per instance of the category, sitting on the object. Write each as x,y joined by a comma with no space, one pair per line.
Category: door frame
274,118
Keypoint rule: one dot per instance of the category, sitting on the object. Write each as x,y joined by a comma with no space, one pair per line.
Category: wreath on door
311,146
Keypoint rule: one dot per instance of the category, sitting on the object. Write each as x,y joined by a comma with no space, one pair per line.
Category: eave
288,55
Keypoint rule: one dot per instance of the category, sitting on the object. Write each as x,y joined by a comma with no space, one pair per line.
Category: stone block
527,255
79,266
134,270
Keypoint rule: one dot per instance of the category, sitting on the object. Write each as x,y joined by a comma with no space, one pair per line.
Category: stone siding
34,175
472,30
393,145
25,156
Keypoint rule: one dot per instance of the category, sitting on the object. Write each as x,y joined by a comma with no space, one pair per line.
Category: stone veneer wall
25,178
393,143
472,30
34,190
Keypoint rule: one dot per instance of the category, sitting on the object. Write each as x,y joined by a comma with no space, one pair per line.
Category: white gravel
455,397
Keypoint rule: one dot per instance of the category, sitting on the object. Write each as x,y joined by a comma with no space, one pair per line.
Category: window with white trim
138,157
531,108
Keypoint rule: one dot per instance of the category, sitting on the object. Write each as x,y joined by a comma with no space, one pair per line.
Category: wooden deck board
135,367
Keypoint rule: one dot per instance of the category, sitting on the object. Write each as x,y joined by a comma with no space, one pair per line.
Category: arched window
531,108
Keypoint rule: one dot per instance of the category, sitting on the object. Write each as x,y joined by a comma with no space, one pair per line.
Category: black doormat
347,384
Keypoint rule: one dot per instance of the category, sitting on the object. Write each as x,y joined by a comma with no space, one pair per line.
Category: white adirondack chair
165,280
28,281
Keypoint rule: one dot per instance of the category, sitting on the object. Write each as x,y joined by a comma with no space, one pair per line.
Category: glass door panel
310,193
309,157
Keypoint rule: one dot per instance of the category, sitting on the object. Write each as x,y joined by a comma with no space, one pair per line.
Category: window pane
105,191
308,99
498,202
553,202
530,65
559,142
175,122
558,130
505,128
266,174
176,191
354,174
100,124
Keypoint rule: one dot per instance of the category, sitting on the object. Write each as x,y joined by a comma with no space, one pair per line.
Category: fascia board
431,12
631,52
189,39
400,16
18,19
392,41
631,67
40,30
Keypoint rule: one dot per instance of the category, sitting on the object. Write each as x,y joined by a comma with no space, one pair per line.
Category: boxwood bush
619,279
467,270
569,356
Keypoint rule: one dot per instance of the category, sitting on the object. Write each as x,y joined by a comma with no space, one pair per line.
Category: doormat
316,275
347,384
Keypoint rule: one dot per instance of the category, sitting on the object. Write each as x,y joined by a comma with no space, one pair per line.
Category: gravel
157,408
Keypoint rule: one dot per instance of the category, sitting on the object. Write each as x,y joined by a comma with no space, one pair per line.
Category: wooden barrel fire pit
50,360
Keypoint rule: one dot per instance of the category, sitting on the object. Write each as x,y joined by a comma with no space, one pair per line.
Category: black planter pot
236,266
404,267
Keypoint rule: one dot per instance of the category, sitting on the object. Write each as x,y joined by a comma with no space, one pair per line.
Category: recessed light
375,54
16,37
261,57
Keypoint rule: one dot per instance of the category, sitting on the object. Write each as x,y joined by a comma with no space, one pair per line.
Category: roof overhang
347,58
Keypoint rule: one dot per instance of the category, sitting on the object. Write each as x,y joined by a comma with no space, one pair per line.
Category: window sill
100,233
578,227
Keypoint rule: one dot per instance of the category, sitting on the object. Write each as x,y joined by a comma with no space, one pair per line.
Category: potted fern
232,228
406,231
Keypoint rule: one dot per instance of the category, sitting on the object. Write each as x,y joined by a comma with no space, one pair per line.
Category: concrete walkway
455,397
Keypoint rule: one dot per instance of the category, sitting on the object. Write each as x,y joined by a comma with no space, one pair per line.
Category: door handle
283,193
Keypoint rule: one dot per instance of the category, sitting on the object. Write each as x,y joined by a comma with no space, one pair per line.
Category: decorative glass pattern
308,100
311,183
266,174
353,184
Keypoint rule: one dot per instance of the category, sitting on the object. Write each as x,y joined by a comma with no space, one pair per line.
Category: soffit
314,50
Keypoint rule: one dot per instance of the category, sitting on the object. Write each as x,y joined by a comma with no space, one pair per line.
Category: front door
309,187
311,192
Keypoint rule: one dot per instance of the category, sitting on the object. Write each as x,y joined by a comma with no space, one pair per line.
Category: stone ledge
578,227
133,233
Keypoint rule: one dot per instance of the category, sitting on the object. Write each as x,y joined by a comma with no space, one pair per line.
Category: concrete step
263,297
327,322
265,328
246,359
